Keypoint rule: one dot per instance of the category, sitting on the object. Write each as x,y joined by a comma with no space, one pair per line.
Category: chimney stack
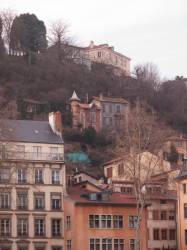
91,44
55,121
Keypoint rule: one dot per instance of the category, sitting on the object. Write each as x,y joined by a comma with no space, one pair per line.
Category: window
54,153
23,247
106,221
164,234
39,227
92,116
39,247
178,143
68,222
94,244
118,221
155,215
22,200
132,244
163,202
133,221
6,247
37,152
185,232
5,227
94,221
55,201
185,210
107,244
55,176
39,200
22,175
118,108
38,176
184,188
93,196
118,244
104,109
163,215
172,234
56,248
4,200
20,151
22,226
68,244
4,175
126,190
121,170
99,54
109,172
110,108
56,227
171,215
156,234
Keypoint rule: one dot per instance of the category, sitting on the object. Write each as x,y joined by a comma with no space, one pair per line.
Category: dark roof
94,176
110,99
77,194
28,131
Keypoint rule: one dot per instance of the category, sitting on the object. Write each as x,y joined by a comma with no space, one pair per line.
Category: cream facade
120,169
32,187
106,54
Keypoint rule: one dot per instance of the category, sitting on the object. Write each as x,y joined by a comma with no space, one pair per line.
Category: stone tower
74,101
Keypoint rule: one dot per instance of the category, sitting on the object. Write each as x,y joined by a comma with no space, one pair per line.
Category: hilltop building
101,113
32,184
106,54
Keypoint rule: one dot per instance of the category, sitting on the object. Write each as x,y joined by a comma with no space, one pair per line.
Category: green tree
28,34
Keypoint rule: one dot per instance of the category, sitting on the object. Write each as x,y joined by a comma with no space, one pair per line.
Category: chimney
91,44
55,121
101,96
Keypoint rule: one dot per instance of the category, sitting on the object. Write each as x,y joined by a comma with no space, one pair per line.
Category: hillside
46,79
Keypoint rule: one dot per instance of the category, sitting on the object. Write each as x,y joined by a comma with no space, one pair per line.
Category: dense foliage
28,34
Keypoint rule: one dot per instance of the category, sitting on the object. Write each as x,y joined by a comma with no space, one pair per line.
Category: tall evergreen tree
28,34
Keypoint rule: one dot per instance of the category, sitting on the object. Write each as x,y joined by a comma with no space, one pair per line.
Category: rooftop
28,131
110,99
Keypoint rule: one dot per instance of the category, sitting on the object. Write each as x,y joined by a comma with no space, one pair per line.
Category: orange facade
102,225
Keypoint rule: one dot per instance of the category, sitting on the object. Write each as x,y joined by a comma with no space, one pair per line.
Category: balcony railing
32,156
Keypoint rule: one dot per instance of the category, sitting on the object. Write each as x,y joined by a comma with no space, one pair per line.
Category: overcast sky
144,30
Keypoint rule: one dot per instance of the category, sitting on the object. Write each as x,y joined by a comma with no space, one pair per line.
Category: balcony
30,156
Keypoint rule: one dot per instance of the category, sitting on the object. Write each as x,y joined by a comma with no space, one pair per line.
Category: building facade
101,113
99,220
119,169
106,54
32,185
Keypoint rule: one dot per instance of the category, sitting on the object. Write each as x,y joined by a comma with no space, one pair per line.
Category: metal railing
33,156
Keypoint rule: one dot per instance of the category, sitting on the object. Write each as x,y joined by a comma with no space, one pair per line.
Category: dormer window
93,196
99,54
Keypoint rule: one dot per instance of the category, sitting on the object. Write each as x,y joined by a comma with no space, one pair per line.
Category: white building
32,184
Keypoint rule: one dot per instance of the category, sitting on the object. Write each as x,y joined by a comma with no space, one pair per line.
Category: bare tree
60,40
141,148
149,73
7,17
